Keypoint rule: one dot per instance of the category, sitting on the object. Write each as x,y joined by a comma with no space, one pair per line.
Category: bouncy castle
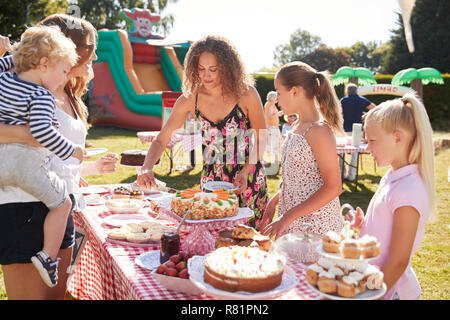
135,69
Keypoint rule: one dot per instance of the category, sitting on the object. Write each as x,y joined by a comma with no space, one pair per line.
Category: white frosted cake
205,205
238,268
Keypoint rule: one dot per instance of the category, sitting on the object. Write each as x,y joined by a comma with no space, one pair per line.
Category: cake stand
200,239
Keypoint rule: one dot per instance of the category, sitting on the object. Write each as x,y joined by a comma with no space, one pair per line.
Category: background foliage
436,97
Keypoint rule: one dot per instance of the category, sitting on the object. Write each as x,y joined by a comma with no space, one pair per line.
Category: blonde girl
311,180
399,135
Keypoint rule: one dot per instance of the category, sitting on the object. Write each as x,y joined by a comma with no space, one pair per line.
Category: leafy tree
301,43
366,55
431,33
325,58
15,16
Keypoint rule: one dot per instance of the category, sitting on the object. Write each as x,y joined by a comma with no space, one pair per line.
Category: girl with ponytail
311,181
399,135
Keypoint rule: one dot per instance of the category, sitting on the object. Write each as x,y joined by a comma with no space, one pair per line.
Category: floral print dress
300,180
226,148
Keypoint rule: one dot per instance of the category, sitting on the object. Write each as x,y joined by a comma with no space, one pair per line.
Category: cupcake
359,277
347,287
327,282
350,249
330,242
325,263
312,273
374,278
370,246
338,273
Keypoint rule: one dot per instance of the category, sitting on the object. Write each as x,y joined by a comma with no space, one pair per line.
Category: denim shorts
22,231
28,168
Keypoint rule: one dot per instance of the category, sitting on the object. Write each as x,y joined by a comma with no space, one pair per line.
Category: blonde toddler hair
42,41
409,114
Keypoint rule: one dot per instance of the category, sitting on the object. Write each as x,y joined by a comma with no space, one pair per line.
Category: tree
301,43
325,58
15,16
366,55
430,28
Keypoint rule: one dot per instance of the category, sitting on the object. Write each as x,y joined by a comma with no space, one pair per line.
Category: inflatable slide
131,73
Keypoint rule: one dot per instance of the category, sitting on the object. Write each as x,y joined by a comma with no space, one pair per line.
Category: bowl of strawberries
174,275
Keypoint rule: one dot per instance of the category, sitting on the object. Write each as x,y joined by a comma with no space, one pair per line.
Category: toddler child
41,60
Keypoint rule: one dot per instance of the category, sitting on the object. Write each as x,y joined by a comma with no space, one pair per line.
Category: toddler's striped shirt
22,102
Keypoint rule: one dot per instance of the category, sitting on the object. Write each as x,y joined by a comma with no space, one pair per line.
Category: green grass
431,261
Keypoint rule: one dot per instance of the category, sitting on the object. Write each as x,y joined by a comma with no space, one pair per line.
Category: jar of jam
170,245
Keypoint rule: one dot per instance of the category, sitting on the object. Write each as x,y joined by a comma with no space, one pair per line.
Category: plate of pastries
343,271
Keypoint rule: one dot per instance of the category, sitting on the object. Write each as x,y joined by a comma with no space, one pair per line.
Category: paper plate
93,189
119,220
95,151
215,185
148,260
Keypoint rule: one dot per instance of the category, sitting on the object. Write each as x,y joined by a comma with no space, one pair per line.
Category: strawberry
171,264
175,258
184,274
181,265
161,269
171,272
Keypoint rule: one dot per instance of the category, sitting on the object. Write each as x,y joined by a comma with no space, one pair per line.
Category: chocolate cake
133,157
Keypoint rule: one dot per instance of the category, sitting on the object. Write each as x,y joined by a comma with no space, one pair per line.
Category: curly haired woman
218,90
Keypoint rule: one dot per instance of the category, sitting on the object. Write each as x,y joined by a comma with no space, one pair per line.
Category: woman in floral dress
218,90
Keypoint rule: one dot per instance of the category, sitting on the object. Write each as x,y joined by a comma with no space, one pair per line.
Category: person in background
21,215
400,136
290,119
353,106
271,114
311,181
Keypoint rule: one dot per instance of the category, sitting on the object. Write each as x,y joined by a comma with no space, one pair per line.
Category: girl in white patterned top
311,182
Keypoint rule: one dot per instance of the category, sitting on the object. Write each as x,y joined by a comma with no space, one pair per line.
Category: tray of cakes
143,234
348,245
342,280
344,271
242,273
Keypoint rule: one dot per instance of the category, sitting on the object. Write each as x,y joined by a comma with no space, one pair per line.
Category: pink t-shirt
399,188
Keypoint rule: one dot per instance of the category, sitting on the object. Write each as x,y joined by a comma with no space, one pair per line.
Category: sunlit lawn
431,261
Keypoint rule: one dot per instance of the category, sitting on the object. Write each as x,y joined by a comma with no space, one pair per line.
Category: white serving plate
216,185
94,151
93,189
119,220
366,295
137,205
337,256
196,268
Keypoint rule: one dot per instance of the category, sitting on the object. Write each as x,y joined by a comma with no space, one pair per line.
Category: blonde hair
317,85
38,42
235,79
409,114
84,36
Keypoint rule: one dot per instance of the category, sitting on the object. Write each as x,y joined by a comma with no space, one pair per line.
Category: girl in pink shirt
399,135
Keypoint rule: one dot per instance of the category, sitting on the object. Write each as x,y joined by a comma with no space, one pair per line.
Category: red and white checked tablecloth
107,271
